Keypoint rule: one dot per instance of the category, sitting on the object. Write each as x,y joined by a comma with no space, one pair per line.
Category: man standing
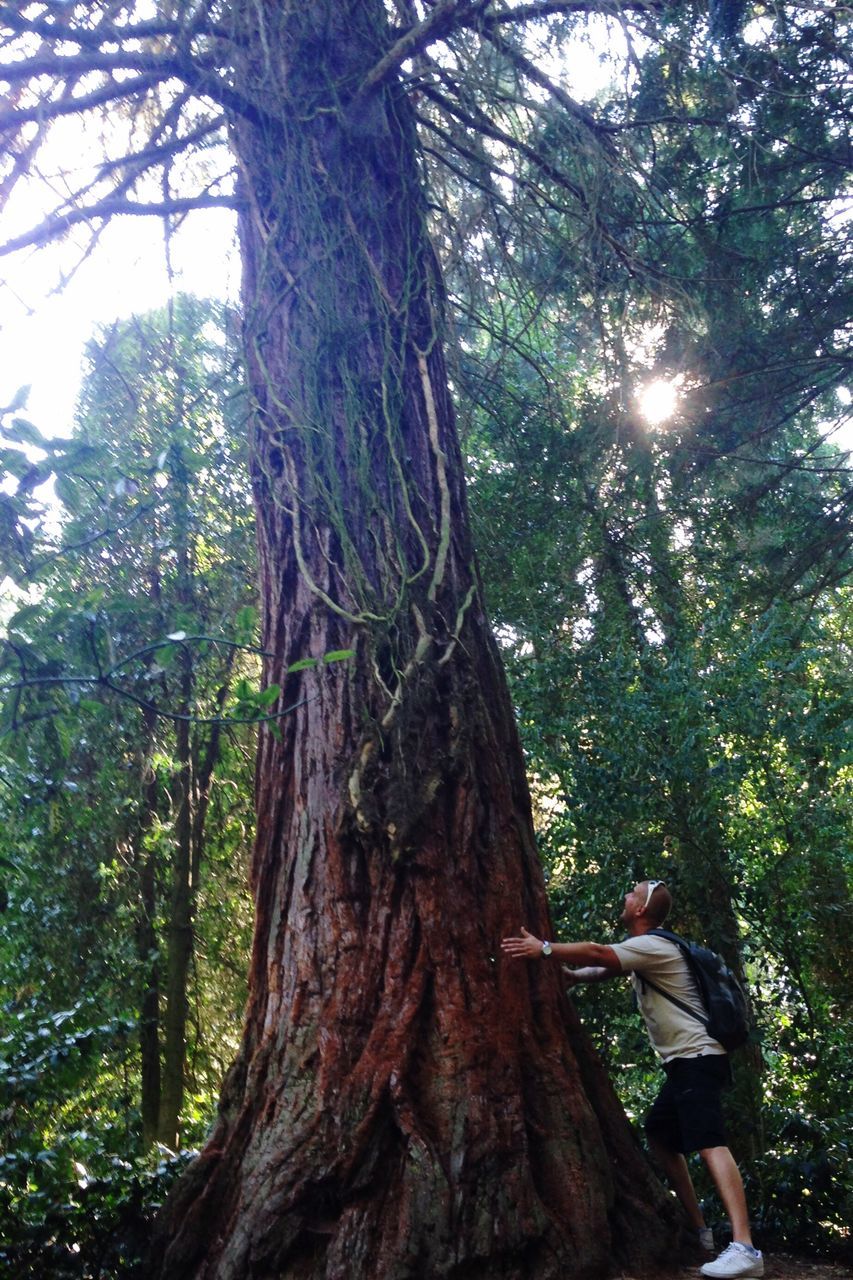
687,1114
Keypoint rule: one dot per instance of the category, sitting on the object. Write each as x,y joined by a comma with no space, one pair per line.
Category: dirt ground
783,1266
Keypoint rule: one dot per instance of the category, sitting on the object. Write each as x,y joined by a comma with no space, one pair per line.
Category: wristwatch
546,948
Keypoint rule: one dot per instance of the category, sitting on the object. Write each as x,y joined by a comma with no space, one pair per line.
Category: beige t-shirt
673,1033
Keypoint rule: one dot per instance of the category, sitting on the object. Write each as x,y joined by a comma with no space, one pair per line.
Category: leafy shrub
76,1197
66,1220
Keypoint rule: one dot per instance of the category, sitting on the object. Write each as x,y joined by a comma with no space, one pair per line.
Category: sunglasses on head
651,886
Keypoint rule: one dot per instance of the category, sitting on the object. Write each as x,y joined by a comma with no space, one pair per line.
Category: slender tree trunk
405,1103
204,768
147,943
179,949
146,949
179,932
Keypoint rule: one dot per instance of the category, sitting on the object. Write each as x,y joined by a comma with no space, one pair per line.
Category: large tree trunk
405,1103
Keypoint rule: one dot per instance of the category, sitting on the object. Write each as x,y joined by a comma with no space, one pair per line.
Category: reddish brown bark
405,1102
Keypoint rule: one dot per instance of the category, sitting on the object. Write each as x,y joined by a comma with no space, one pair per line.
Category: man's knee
717,1154
722,1165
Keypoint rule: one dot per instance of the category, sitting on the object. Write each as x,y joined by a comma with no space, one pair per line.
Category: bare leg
675,1167
729,1184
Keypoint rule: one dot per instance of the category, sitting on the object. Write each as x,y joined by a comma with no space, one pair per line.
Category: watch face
546,948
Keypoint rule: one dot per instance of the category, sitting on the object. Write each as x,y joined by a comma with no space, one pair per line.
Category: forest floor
784,1266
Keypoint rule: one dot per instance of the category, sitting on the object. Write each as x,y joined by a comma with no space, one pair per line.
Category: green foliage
75,1211
138,611
68,1187
801,1183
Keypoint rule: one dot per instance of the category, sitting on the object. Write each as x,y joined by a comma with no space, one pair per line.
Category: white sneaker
706,1239
738,1260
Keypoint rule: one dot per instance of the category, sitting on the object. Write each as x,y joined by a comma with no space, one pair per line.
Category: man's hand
527,947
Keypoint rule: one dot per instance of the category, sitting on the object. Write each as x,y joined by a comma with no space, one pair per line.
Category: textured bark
405,1102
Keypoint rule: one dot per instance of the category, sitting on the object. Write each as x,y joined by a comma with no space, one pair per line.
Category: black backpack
719,990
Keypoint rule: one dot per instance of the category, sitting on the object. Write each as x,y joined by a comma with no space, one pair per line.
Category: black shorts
687,1114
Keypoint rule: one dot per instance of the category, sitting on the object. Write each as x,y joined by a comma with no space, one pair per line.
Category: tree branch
532,72
110,207
51,110
133,165
474,118
155,152
59,66
551,8
193,73
440,20
104,682
104,32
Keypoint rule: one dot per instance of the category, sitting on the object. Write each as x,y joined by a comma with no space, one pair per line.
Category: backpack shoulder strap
685,1008
684,948
670,937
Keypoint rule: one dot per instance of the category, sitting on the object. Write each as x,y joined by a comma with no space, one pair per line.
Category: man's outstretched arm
591,973
591,954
